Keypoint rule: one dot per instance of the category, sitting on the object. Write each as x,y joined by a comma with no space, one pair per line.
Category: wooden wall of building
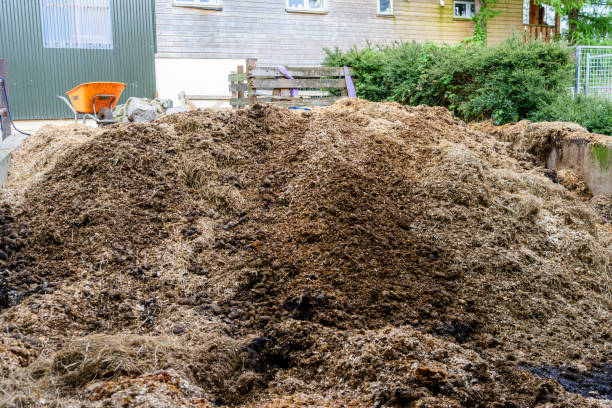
508,22
265,30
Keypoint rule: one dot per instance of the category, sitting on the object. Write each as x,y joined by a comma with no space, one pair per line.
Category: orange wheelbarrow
94,100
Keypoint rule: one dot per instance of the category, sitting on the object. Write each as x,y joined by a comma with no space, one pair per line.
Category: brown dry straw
356,254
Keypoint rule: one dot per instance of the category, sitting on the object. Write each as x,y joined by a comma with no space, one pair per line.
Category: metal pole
587,75
4,117
577,74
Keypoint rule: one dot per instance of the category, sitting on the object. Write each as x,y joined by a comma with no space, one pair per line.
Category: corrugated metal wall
37,74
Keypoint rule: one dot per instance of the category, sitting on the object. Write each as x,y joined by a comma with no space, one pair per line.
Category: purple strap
350,88
294,91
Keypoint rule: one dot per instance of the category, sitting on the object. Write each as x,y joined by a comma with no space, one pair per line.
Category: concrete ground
6,146
16,138
5,162
30,126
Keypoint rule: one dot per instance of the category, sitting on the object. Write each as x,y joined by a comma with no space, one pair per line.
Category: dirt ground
365,254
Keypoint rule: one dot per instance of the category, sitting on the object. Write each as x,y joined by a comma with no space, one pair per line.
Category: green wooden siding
37,74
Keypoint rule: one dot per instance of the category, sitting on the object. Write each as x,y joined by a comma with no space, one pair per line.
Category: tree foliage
590,21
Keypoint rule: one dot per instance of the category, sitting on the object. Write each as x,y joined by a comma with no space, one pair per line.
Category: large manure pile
365,254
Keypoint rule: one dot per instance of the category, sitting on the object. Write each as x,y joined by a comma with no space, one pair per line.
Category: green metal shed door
47,59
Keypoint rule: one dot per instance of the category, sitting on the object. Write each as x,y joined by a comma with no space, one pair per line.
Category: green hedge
512,81
592,113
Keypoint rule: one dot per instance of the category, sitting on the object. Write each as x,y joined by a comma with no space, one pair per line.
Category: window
211,4
77,24
305,5
464,9
385,7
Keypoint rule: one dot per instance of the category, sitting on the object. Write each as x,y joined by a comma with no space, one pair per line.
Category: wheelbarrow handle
63,98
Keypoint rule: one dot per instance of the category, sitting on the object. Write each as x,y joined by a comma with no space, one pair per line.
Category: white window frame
386,14
212,5
320,10
468,8
74,16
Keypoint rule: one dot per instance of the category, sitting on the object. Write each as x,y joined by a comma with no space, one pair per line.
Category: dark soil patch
17,279
594,383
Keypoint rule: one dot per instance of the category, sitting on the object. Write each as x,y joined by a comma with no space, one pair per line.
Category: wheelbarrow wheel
105,115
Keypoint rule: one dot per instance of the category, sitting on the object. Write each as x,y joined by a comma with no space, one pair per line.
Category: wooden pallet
268,85
187,100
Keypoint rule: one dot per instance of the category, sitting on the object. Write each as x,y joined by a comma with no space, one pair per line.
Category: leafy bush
593,113
371,65
507,82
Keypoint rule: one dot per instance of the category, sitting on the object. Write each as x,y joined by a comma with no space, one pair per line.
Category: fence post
250,65
577,74
239,83
233,89
4,119
587,75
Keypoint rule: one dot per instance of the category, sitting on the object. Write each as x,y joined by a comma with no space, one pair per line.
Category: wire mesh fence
593,71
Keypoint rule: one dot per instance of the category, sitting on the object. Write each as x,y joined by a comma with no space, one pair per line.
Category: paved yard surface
30,126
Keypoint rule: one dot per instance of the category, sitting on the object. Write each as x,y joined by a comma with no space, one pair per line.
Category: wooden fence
187,100
542,32
312,84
